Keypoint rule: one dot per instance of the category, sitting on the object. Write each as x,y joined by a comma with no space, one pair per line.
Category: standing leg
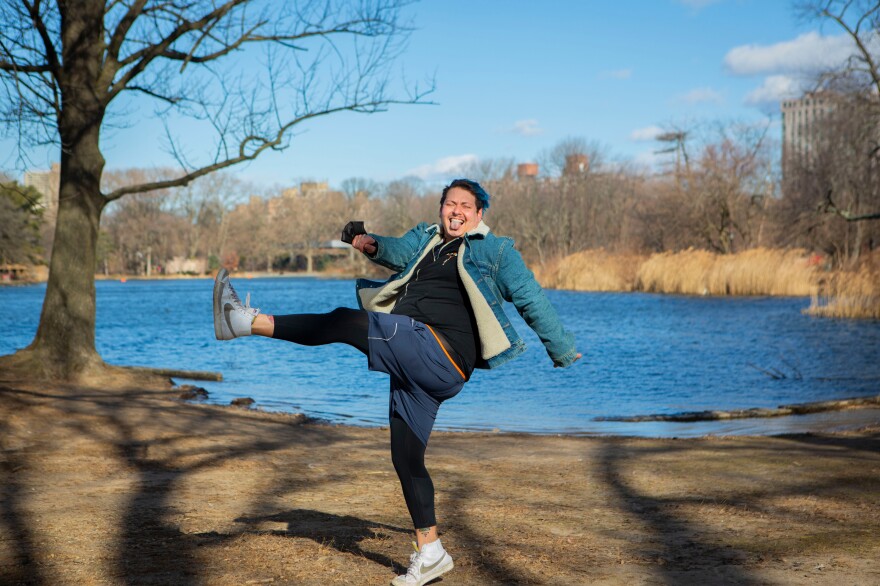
408,455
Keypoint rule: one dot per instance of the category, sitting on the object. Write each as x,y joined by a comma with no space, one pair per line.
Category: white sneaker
231,318
420,571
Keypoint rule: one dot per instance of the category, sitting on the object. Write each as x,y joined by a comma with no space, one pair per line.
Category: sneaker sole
218,311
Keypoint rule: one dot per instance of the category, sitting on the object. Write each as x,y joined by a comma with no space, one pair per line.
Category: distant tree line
720,189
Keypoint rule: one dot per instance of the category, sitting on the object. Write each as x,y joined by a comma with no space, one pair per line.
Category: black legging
351,326
344,325
408,456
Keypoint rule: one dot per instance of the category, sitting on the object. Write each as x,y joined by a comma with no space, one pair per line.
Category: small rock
192,393
245,402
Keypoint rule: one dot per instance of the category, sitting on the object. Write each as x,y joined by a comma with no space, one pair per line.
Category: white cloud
808,52
618,74
774,89
645,134
528,127
443,167
703,95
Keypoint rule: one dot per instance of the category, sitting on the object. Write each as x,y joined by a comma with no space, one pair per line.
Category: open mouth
455,224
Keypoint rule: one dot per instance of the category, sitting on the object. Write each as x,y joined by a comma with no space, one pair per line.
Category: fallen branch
781,411
173,373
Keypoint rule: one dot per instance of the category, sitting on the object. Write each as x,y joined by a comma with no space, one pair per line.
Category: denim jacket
492,271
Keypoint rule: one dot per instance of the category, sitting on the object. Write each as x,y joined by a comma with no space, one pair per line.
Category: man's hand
576,358
365,243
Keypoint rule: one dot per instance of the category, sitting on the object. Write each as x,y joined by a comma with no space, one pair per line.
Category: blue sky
513,78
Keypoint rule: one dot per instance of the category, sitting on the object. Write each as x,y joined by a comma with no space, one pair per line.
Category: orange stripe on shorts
442,347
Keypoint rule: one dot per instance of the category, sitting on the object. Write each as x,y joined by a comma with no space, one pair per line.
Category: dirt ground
136,487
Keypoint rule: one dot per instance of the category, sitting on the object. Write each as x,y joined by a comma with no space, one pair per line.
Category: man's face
458,213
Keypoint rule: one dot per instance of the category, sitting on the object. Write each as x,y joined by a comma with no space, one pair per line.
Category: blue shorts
422,375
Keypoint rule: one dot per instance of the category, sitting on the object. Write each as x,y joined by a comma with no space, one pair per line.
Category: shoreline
841,415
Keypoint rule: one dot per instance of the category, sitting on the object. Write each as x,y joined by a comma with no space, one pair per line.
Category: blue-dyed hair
473,187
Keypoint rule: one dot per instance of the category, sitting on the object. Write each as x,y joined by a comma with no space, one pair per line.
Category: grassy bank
761,271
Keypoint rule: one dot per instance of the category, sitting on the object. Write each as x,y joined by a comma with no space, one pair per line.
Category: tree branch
829,207
262,144
169,99
141,59
125,24
51,56
13,67
865,56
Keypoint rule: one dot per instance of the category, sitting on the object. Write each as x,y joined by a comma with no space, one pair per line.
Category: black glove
351,230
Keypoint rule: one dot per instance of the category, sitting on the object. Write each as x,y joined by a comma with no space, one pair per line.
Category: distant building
305,189
311,188
48,183
801,128
180,265
527,170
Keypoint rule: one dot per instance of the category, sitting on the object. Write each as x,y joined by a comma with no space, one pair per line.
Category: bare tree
857,83
554,160
250,236
205,204
832,189
248,70
715,198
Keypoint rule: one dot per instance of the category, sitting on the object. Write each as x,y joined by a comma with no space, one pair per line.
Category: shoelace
253,311
414,565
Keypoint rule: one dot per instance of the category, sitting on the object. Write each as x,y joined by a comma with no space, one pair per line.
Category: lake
643,354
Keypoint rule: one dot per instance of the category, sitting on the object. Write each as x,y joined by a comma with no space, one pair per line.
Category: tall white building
800,125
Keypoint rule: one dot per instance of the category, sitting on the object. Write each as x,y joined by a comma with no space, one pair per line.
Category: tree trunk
64,346
65,340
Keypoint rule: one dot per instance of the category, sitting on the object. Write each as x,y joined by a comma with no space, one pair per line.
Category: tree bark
64,345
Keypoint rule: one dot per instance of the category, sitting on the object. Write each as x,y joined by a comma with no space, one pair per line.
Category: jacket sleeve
395,253
518,285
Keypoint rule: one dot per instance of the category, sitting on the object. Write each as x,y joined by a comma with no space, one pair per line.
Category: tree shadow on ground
679,545
22,565
481,546
686,552
862,443
151,548
343,533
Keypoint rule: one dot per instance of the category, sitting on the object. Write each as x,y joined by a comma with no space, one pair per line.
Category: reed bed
849,294
592,270
690,272
759,271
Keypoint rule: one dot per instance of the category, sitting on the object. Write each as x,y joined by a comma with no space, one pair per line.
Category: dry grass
690,272
759,271
849,294
592,270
